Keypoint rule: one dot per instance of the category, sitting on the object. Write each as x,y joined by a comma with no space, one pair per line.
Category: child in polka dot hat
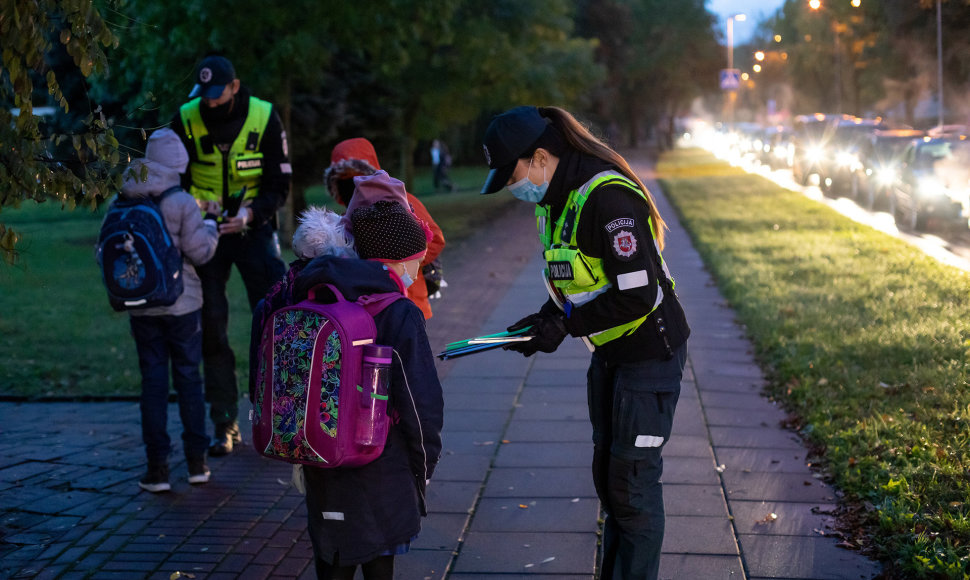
388,232
382,223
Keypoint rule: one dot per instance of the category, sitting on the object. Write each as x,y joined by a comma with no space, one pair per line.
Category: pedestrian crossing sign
730,79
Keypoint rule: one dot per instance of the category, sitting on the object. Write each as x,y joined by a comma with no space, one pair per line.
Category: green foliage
31,168
658,54
884,54
865,338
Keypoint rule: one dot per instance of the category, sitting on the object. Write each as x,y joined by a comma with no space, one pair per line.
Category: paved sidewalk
512,496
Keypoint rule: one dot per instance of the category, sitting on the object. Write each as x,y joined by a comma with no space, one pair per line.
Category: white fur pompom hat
321,233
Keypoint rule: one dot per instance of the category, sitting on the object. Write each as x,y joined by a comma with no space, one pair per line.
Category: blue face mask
525,190
406,279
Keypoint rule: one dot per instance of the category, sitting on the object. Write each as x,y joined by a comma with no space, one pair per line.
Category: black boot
156,479
227,434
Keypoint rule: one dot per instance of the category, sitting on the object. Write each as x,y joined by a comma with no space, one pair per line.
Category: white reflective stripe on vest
580,298
333,516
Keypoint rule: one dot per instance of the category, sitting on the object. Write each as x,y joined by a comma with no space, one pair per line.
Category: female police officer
602,236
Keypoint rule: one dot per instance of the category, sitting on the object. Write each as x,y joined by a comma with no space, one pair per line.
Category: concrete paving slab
452,496
763,416
689,470
490,364
439,531
774,518
803,558
483,443
546,394
462,468
754,438
521,430
527,513
488,576
551,553
699,535
564,482
478,401
728,400
688,419
555,411
419,564
481,386
731,384
760,486
558,378
694,500
545,455
689,446
475,420
578,363
699,566
777,460
723,368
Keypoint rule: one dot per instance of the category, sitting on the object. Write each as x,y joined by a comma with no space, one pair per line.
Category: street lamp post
730,36
732,94
939,61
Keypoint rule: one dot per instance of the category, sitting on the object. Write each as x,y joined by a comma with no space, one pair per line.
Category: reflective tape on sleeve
632,280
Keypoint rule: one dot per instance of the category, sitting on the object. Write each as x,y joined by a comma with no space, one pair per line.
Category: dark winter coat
380,504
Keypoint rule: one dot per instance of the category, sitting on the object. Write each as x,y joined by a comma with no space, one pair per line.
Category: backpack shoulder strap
375,303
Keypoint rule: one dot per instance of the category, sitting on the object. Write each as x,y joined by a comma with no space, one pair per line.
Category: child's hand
237,223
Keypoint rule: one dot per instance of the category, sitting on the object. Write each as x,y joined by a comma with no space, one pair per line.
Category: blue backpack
140,265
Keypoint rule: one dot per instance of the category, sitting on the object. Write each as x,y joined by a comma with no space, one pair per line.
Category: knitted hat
388,232
369,189
349,159
165,148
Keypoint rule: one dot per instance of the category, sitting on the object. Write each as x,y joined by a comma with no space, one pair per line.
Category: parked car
776,147
810,133
934,181
881,159
747,139
840,162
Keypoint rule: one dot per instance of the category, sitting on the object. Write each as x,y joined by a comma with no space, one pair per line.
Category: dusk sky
755,10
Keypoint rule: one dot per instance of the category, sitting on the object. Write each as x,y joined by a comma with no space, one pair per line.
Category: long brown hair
581,139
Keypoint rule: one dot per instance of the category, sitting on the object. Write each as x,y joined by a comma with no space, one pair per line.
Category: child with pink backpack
365,515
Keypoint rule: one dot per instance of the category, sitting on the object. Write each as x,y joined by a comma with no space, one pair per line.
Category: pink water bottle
374,379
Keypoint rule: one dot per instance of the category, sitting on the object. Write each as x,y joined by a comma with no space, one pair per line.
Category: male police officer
239,171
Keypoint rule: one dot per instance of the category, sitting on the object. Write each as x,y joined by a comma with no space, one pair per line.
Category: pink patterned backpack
307,401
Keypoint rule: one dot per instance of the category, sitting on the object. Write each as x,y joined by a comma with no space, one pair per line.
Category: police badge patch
624,244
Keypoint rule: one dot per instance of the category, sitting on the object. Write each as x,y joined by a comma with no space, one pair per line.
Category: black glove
548,330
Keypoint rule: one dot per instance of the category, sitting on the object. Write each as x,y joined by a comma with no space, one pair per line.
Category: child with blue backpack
171,336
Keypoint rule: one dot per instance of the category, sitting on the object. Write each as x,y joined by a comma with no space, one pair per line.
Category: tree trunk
296,200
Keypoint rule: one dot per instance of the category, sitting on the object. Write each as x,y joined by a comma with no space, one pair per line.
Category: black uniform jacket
613,226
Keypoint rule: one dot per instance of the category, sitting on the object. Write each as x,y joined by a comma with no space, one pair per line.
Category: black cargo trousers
631,407
256,254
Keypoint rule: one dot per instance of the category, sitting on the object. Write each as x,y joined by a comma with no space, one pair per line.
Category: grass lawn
60,339
865,340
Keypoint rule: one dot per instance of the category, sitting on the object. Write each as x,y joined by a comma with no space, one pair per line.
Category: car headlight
846,159
886,176
814,154
931,186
